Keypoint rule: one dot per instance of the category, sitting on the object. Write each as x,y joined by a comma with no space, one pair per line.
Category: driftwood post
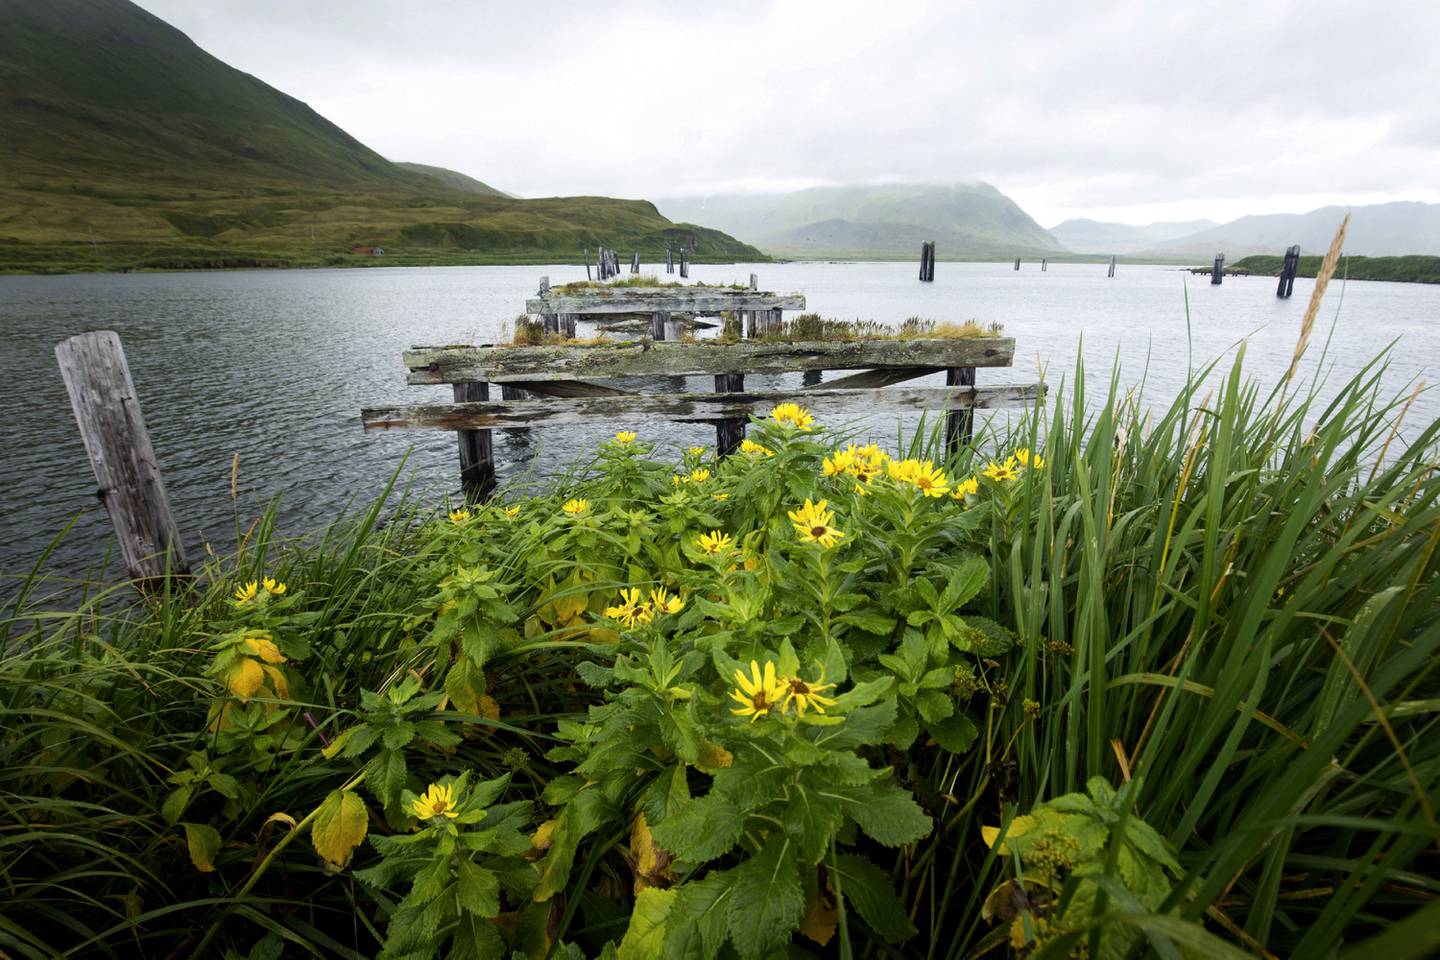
1217,273
1112,268
669,259
684,263
635,263
113,430
659,320
959,424
477,458
1043,264
1017,263
754,281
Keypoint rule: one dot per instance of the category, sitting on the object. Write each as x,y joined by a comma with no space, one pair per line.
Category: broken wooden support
959,424
477,457
1287,271
1017,263
126,471
687,408
1112,268
730,431
1217,273
1043,264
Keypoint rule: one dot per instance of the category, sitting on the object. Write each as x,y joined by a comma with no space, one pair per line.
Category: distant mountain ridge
125,145
890,220
1095,236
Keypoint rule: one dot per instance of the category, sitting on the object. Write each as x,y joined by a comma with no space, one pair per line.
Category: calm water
274,366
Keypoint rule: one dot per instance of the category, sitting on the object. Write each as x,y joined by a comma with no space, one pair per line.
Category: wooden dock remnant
927,261
635,263
127,472
1112,268
1044,264
684,263
1287,272
669,259
1017,263
1217,272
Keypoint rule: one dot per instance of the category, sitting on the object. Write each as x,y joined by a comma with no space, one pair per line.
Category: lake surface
275,365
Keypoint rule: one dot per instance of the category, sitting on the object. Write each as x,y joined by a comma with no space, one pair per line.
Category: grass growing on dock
1121,677
643,280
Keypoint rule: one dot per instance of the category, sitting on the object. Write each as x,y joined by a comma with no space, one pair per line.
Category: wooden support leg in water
729,433
659,320
1217,274
108,413
477,458
1043,264
1112,268
959,424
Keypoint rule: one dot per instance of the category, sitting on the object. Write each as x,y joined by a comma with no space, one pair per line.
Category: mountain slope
126,145
891,220
1096,236
1383,229
453,179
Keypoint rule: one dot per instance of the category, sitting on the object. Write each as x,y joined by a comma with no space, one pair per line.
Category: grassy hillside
885,221
127,146
1411,269
452,178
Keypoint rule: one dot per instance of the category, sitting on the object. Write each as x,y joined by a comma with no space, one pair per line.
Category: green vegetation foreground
1165,686
1411,269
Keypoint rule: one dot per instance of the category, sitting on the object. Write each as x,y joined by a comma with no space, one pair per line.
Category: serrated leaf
811,820
869,622
477,890
870,891
666,794
645,936
955,733
203,843
766,900
966,580
244,678
593,674
886,812
695,927
701,829
933,706
863,727
385,777
338,827
174,806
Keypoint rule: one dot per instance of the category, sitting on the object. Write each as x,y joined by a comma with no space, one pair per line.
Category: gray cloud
1127,110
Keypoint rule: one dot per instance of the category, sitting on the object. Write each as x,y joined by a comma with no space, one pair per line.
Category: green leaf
578,820
666,794
695,929
203,843
955,733
811,820
174,806
966,580
645,936
933,706
766,902
475,938
863,727
869,622
385,777
886,812
486,792
870,891
225,785
701,829
476,889
339,826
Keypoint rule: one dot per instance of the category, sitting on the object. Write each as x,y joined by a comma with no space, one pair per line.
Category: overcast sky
1130,111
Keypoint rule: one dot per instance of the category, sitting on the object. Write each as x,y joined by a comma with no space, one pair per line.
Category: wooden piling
1287,272
669,259
658,322
1043,264
684,263
729,433
1017,263
477,458
126,470
959,424
635,263
1217,273
754,281
1112,268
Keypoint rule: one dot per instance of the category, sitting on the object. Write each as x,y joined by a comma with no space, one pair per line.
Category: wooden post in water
477,458
1017,263
754,281
1112,268
930,264
685,263
959,424
126,471
1217,273
669,259
635,263
1287,272
1043,264
658,321
927,261
729,433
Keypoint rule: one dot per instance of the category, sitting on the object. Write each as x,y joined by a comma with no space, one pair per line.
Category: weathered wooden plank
707,300
884,377
126,471
477,458
696,407
729,432
564,388
508,364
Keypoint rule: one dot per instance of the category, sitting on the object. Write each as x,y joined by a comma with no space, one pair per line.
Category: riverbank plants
1116,680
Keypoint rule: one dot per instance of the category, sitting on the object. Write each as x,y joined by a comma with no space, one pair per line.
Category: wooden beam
693,407
567,388
459,364
126,470
882,378
706,300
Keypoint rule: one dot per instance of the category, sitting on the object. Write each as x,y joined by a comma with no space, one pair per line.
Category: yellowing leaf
651,861
646,933
540,840
264,648
820,919
339,827
278,683
245,678
203,843
1018,826
714,757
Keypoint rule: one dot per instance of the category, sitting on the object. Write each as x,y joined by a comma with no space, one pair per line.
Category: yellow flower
699,476
967,487
458,517
273,586
720,496
632,609
575,507
805,695
791,415
662,601
923,474
246,592
438,801
812,523
677,479
1000,472
625,437
757,694
697,451
1033,462
715,542
750,446
843,461
512,512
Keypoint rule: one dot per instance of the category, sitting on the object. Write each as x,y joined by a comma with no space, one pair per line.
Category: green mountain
453,179
1096,236
888,221
1376,230
126,145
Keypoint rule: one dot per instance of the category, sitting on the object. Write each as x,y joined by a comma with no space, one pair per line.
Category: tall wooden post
1287,271
1043,264
930,264
754,281
635,263
669,259
1017,263
1112,268
1217,273
959,424
477,458
924,258
684,263
729,433
126,471
659,320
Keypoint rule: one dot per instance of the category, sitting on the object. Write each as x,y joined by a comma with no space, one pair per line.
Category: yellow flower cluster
792,415
458,517
862,463
763,693
575,507
715,542
1013,466
250,590
966,488
814,524
921,474
755,449
625,437
633,610
512,512
697,476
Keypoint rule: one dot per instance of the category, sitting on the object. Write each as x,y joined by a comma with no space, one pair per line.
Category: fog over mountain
1093,236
